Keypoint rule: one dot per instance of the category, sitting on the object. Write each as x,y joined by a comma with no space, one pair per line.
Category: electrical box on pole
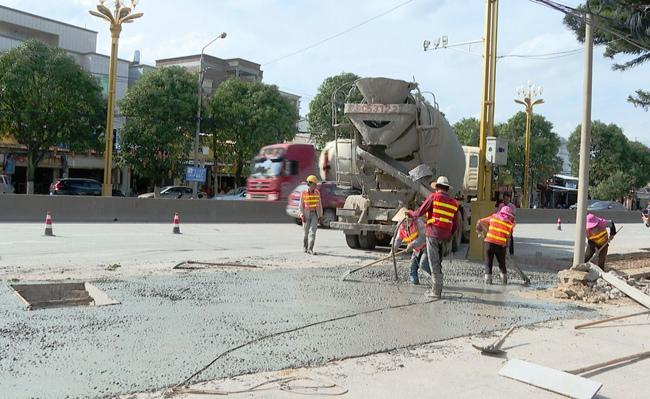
496,151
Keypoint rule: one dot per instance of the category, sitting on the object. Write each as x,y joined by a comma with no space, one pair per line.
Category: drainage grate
56,295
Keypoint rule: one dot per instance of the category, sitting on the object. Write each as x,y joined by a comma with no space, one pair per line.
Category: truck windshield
266,167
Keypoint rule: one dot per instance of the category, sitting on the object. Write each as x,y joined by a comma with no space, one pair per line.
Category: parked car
605,205
174,192
589,202
5,186
76,186
236,194
332,197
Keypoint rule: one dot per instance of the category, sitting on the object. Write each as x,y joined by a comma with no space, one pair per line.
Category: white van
5,186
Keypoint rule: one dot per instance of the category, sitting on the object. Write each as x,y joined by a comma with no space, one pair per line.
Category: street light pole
195,184
122,14
528,100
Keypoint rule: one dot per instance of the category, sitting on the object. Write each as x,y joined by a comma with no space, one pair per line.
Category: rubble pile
588,287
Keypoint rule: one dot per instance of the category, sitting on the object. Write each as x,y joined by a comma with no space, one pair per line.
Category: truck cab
277,169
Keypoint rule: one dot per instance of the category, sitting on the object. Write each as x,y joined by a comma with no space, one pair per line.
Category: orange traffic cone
176,224
48,225
559,223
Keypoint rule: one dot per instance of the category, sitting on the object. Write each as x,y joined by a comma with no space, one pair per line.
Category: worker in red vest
442,221
411,232
310,213
597,238
497,230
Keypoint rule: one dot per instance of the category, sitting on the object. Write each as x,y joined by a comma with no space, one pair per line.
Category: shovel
371,264
495,347
521,272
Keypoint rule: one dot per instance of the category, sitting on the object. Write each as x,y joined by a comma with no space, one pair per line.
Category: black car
76,187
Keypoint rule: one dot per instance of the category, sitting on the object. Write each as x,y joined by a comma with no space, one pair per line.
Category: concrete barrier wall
32,208
569,216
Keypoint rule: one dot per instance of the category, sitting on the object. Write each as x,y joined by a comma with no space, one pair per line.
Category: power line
343,32
563,8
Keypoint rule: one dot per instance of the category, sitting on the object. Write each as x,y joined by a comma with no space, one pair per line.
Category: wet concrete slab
168,327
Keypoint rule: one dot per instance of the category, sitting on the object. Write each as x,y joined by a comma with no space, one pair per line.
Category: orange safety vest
310,201
443,211
598,235
499,231
410,235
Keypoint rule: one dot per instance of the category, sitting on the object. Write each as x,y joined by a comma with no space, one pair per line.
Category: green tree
468,131
47,100
246,116
544,159
614,187
610,152
623,27
159,130
320,108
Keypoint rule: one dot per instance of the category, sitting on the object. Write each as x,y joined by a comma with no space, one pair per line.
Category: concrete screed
171,323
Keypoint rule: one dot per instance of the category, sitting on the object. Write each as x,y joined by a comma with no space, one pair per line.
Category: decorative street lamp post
528,97
121,14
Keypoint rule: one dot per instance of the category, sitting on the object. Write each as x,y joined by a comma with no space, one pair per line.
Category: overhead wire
336,35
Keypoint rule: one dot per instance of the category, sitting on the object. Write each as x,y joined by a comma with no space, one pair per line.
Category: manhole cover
55,295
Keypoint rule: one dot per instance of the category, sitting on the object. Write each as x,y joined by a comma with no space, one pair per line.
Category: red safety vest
408,236
310,201
598,235
443,211
498,231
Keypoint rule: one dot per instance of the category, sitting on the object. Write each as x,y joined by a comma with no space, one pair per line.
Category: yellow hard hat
312,179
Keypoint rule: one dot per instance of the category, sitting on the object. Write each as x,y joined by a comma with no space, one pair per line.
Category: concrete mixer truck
399,143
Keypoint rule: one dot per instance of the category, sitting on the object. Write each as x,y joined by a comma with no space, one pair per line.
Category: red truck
278,168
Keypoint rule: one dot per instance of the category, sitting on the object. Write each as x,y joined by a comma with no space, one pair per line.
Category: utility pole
483,206
585,144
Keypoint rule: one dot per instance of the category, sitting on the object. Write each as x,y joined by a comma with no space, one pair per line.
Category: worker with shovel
311,213
598,239
441,211
411,232
497,230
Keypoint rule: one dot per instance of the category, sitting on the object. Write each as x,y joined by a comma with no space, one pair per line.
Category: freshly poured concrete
173,322
170,326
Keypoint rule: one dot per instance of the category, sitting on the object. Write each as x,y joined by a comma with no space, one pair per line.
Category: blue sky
391,45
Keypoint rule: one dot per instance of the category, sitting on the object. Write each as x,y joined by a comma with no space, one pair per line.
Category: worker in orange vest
597,238
497,230
311,213
411,232
441,213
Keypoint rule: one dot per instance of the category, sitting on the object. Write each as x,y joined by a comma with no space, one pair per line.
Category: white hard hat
442,181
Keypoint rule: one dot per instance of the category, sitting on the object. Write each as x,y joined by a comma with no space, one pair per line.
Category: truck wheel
329,215
383,240
352,240
367,241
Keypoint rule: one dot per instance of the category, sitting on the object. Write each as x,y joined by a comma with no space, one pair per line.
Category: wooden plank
624,287
550,379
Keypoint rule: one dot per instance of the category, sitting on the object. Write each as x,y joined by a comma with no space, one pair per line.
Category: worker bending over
411,232
311,213
598,239
441,212
497,230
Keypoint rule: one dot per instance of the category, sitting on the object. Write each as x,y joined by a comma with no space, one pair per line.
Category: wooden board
550,379
624,287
